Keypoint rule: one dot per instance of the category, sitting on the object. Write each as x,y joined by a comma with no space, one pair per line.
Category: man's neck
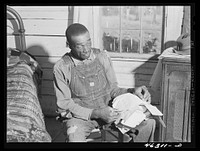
86,61
75,56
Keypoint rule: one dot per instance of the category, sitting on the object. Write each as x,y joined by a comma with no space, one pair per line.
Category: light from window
132,29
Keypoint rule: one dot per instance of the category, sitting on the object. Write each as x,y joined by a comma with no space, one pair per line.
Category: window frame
143,56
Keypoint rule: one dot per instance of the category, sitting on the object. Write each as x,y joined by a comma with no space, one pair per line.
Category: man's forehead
80,35
81,38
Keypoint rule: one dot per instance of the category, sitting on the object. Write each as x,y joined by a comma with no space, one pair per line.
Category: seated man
85,82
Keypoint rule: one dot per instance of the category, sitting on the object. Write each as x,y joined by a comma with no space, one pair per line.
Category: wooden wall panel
47,61
143,67
43,26
48,105
43,45
10,42
41,12
47,74
47,87
132,80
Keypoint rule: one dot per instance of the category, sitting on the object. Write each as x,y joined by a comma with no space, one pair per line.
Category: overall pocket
78,86
90,83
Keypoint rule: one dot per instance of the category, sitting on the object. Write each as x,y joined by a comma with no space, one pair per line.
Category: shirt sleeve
110,73
61,79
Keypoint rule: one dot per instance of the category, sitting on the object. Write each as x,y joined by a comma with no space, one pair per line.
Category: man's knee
72,129
145,131
148,125
151,122
75,134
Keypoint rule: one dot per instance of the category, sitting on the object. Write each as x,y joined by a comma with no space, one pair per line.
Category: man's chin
85,56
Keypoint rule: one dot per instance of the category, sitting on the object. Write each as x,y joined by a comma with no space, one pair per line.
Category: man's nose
85,48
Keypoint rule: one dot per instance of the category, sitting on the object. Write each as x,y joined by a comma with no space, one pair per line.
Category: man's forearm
77,110
116,91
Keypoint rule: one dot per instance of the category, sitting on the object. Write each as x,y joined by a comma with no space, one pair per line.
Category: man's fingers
140,96
142,92
147,97
148,114
144,88
113,118
115,112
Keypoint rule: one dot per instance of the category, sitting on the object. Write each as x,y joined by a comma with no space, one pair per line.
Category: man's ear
67,44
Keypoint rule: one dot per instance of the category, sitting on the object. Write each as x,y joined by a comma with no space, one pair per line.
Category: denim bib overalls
90,85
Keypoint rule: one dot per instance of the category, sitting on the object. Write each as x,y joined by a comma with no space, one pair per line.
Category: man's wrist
94,114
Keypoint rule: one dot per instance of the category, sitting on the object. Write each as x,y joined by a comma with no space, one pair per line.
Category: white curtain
186,20
89,17
173,23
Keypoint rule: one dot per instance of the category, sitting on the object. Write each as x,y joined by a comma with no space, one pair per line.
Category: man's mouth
86,53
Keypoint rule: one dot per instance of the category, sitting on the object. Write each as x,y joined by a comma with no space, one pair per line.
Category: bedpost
21,27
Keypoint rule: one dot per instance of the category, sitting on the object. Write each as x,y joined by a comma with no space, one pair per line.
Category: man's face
81,46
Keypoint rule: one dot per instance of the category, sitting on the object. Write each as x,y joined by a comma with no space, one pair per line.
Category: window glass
110,17
111,40
132,29
130,17
152,18
151,41
130,41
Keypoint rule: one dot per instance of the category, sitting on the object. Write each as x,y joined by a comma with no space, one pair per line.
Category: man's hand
145,111
143,93
108,114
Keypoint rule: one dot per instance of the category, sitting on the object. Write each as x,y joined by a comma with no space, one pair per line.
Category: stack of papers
132,113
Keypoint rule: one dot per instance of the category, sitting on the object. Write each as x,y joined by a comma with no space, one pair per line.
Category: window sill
133,57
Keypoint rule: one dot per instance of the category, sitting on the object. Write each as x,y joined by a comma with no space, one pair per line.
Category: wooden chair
110,129
105,131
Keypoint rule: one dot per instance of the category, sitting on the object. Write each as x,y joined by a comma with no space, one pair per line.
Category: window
132,29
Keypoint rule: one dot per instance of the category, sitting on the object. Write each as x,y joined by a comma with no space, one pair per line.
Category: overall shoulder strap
67,59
